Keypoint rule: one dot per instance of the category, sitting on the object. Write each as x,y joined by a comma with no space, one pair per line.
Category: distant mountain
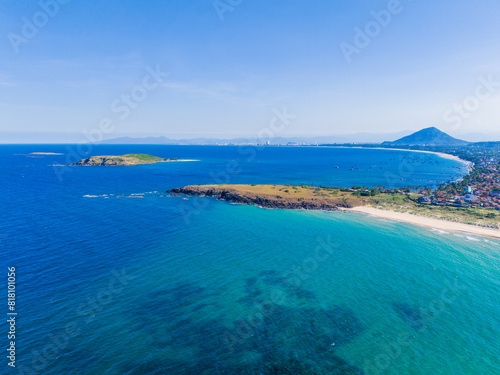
427,137
141,141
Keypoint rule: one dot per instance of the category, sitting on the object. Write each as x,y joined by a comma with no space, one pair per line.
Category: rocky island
122,160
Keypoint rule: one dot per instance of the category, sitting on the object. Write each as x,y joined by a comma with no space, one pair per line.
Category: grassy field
144,157
475,216
292,193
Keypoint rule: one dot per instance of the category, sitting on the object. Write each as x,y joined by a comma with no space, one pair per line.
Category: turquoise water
173,285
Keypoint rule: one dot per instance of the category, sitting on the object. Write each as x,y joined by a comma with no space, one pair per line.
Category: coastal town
480,188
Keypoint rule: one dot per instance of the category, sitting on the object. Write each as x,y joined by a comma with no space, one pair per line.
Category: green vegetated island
123,160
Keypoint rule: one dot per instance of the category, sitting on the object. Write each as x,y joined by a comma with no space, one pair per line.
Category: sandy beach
441,154
428,222
179,160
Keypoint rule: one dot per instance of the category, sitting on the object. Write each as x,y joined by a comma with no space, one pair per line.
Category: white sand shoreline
427,222
441,154
179,160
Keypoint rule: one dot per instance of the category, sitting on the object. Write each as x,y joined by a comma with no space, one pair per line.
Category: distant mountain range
427,137
433,136
351,138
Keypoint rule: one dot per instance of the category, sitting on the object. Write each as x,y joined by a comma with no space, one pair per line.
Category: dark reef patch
301,293
278,339
273,280
410,314
251,281
268,273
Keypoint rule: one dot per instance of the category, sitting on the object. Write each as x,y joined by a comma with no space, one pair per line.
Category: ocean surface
116,277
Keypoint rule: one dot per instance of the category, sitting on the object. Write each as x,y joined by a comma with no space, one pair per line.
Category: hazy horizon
361,137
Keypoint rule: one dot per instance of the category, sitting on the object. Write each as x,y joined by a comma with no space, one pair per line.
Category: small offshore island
43,153
122,160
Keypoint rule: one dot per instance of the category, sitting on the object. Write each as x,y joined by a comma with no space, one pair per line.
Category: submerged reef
293,338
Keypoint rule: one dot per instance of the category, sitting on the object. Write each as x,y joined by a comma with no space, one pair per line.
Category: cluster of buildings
482,190
471,198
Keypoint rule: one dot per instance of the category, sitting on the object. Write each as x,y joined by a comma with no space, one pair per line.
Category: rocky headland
277,196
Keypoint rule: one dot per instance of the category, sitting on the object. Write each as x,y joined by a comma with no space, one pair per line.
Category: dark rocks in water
290,367
274,339
410,314
334,364
156,367
268,273
337,325
251,281
255,294
303,330
250,285
301,293
287,334
272,280
252,298
248,301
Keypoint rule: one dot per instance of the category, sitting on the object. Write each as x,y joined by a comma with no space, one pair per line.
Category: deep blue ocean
116,277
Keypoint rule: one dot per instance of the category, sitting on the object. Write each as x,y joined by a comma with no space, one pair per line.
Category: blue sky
230,66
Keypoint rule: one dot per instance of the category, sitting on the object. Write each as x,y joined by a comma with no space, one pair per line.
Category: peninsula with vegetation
122,160
394,204
470,205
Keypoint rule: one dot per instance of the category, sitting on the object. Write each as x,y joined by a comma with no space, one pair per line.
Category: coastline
330,199
427,222
469,164
178,160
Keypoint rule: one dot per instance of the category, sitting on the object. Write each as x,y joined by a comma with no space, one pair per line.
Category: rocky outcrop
100,161
263,200
123,160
